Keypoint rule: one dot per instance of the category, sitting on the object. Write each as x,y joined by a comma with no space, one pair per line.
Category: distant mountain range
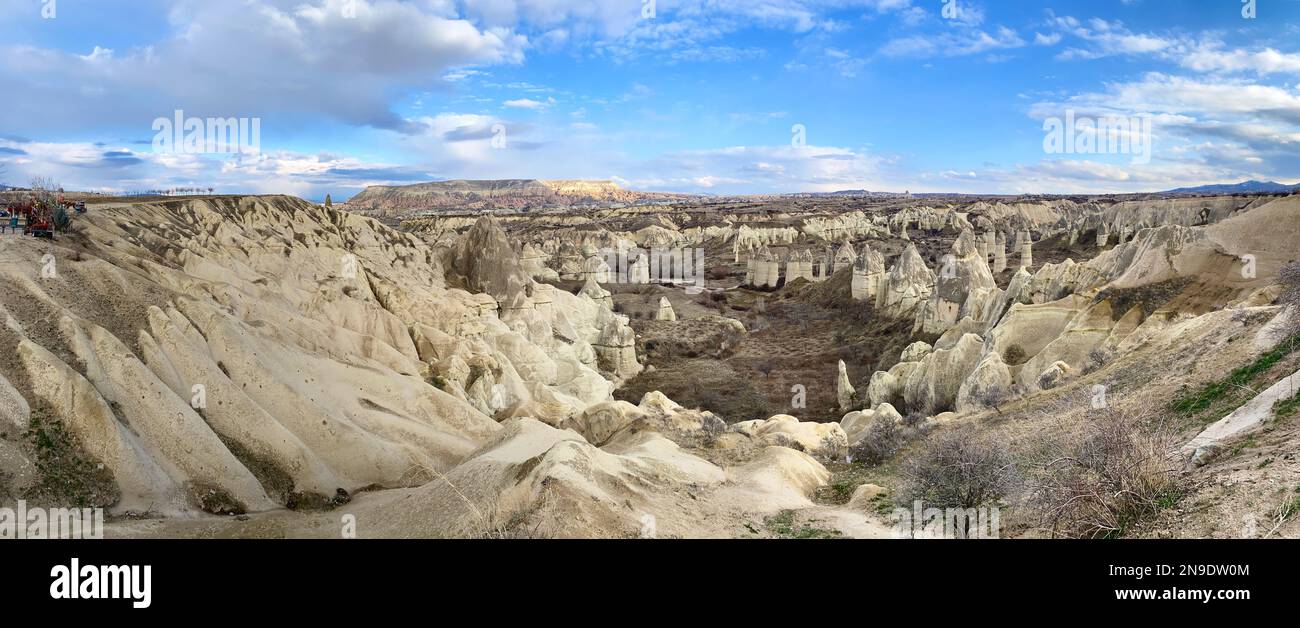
1247,187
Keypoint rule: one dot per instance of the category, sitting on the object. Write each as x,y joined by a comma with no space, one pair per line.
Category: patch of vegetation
1097,358
846,477
1107,478
1237,382
1168,500
783,525
215,500
1014,356
1285,511
1286,407
960,469
68,477
885,438
279,485
1150,298
1246,443
706,384
883,505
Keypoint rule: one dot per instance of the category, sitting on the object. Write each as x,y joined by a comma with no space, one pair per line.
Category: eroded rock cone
665,312
907,285
484,261
844,388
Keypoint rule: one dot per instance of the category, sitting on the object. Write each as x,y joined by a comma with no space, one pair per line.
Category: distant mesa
501,194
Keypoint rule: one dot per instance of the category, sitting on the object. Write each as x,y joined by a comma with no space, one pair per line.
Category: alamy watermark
1105,135
76,581
946,523
180,134
677,266
50,523
951,10
649,527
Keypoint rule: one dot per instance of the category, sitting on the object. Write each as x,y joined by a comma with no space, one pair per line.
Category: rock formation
512,194
799,265
762,269
907,285
868,275
844,388
963,286
665,312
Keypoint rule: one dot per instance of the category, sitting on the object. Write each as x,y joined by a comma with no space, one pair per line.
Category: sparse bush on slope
960,469
1100,481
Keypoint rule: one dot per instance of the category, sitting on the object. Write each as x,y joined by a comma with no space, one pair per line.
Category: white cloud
528,103
1203,54
1212,57
1047,40
247,58
953,44
1204,129
749,169
122,169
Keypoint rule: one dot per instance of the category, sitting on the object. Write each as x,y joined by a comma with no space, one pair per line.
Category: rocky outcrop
857,425
868,275
665,311
932,387
844,391
907,285
1249,417
762,269
827,440
485,262
553,483
799,265
616,347
250,353
988,385
963,287
13,408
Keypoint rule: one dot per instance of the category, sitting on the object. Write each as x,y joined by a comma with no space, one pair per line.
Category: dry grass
1101,479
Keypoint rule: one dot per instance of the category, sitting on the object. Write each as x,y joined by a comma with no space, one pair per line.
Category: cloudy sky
714,96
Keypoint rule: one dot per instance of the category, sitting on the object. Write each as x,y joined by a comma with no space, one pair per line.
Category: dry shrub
1014,356
1100,480
1290,278
960,468
881,442
886,437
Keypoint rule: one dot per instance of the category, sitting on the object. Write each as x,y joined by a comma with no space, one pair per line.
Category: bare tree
44,189
44,184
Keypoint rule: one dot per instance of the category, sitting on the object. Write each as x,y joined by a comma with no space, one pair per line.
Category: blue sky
694,95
